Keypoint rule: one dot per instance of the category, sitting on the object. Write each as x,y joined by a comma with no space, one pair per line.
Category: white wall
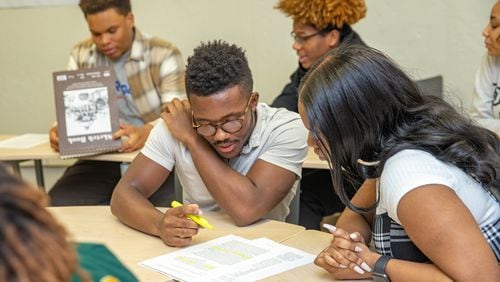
426,37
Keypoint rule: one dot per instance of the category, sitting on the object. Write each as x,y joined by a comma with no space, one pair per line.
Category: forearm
144,216
355,222
402,270
233,192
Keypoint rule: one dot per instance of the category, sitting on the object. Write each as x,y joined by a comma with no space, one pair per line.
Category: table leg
39,174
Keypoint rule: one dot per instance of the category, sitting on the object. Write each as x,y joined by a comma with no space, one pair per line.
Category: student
486,93
149,73
230,151
433,213
35,247
318,26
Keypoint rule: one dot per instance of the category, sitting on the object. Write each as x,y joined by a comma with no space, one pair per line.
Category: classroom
424,39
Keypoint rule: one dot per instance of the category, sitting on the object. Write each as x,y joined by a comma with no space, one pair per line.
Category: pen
329,227
201,221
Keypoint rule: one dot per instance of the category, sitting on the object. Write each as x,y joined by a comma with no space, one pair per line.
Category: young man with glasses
230,152
318,27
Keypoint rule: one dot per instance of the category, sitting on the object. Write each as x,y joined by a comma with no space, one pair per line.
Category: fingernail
366,267
358,249
353,236
200,212
329,227
342,266
358,270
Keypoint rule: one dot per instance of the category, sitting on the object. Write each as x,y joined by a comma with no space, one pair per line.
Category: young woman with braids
33,245
433,213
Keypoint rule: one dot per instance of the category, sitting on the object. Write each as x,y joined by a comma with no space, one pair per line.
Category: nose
296,46
220,134
486,30
105,39
311,141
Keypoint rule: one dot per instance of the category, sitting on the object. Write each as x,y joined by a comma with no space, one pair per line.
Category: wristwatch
378,273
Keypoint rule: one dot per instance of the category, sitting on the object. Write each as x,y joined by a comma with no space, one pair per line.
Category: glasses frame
241,119
301,40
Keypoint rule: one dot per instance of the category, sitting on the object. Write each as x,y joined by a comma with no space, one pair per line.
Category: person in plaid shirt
149,72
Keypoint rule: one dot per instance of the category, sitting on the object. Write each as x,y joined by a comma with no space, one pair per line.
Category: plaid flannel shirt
155,71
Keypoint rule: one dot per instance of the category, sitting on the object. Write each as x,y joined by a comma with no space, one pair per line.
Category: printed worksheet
229,258
24,141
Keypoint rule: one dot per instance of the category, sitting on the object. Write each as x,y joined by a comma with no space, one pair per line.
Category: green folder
101,264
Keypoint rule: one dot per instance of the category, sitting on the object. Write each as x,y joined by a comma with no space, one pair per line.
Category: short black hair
90,7
216,66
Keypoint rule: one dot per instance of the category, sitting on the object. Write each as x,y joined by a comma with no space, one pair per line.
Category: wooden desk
97,224
45,152
312,161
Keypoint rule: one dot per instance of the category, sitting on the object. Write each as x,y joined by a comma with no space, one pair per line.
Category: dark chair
432,85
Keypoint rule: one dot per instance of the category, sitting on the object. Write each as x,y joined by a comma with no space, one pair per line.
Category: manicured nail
342,266
353,236
359,270
329,227
358,249
366,267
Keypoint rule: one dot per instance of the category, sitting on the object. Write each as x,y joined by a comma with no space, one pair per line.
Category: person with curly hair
318,26
430,199
486,92
230,152
149,71
34,246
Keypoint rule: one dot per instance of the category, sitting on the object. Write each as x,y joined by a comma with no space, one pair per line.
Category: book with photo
87,111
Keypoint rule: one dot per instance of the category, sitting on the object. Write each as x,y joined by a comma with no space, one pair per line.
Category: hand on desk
137,136
347,257
176,229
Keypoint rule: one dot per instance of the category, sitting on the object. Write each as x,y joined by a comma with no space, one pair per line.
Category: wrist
379,269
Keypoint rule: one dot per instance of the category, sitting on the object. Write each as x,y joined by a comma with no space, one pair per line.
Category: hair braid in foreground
361,105
216,66
33,246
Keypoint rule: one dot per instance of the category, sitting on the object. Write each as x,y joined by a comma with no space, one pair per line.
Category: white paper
24,141
229,258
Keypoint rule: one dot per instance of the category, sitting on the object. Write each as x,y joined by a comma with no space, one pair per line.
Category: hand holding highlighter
201,221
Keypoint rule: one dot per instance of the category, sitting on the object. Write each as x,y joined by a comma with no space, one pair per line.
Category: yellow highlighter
201,221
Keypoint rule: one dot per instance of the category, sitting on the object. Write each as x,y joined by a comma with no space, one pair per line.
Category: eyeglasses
230,126
303,39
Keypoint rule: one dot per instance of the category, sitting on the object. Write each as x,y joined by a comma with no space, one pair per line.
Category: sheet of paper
24,141
229,258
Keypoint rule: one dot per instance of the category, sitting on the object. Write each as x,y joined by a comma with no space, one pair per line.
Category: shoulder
154,46
83,48
279,117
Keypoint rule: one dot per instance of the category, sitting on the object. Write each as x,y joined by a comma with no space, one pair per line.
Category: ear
130,19
255,100
333,38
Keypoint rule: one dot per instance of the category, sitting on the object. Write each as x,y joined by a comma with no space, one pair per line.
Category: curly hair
33,245
91,7
361,105
323,13
216,66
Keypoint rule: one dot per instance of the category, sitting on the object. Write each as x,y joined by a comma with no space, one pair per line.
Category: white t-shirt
410,169
486,94
279,137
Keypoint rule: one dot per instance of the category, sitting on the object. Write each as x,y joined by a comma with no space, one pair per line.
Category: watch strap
379,268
